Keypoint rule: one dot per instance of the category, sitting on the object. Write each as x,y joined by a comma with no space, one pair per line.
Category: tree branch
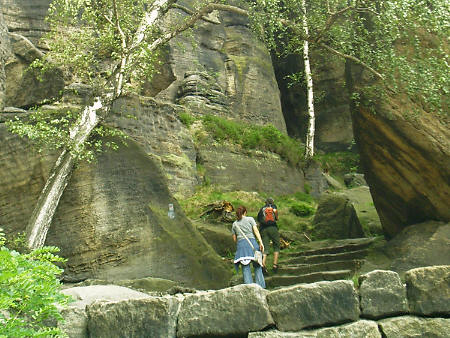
352,58
188,11
335,15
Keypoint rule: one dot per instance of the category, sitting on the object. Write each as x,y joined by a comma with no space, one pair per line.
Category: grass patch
289,218
246,135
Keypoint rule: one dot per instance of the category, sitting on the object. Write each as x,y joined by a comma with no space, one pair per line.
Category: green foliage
29,292
339,163
50,130
302,209
187,119
406,41
266,138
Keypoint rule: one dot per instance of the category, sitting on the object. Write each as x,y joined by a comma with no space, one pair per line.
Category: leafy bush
29,292
302,209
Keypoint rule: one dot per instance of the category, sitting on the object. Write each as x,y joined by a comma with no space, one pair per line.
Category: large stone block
428,290
75,317
316,304
382,294
359,329
336,217
409,327
232,311
146,317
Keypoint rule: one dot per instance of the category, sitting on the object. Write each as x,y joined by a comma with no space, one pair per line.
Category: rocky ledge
381,306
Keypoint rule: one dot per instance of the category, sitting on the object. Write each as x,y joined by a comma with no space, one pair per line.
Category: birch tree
107,44
402,45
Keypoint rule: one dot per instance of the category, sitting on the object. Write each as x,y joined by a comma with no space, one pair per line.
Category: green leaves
49,130
29,292
406,41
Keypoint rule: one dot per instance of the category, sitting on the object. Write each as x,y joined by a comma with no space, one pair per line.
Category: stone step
298,269
278,280
330,249
350,255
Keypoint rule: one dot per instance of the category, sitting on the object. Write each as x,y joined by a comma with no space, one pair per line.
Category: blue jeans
247,273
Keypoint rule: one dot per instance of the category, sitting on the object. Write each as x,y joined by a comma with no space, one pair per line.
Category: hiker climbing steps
340,259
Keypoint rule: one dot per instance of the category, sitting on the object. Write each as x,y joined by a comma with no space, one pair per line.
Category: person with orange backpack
268,228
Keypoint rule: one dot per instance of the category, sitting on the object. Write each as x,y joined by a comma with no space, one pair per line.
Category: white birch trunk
47,203
309,151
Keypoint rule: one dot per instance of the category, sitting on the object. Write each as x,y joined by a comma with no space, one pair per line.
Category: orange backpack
269,214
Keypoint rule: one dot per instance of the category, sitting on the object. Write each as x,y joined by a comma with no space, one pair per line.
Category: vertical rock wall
239,64
332,106
4,52
26,17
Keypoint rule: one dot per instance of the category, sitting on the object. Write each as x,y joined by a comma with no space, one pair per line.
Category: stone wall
382,306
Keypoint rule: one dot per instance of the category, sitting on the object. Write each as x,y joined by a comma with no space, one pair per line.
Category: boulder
336,218
315,179
316,304
428,290
367,214
382,294
359,329
145,317
227,312
420,245
75,317
352,180
409,326
405,160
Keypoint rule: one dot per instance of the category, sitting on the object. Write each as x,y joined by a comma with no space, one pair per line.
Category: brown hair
240,212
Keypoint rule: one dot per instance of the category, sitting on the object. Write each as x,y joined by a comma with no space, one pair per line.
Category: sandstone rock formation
4,54
112,220
26,17
336,218
405,160
333,118
25,87
419,245
238,62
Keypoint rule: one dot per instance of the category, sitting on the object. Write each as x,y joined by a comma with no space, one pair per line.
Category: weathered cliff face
405,158
4,53
24,88
112,220
26,17
240,66
332,106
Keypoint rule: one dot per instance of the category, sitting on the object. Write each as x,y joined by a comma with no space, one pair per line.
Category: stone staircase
327,261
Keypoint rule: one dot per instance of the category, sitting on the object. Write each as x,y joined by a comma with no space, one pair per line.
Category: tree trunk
309,151
45,208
